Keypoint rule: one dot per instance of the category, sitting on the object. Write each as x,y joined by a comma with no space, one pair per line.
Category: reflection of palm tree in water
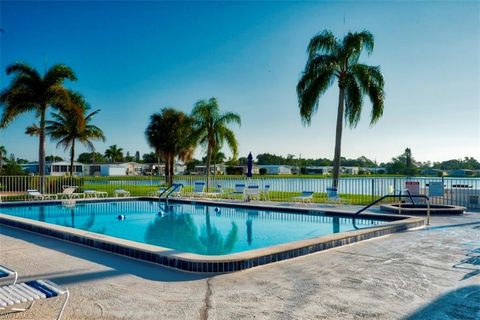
212,239
178,231
42,217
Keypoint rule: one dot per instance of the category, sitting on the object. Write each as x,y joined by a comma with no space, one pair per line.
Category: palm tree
3,154
30,91
212,128
68,127
114,154
170,134
330,58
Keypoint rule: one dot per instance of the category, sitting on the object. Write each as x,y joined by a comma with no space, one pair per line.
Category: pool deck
429,273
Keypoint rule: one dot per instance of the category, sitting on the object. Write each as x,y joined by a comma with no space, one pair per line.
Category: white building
57,168
318,169
276,169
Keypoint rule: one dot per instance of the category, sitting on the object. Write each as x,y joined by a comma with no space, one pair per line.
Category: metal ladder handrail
170,190
411,196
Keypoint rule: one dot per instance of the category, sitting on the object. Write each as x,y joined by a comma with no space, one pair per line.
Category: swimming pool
199,236
196,228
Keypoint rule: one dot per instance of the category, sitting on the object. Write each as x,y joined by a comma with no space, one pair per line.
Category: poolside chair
95,194
218,192
69,193
198,189
6,273
333,197
304,197
158,192
14,295
121,193
238,191
252,193
36,195
265,194
177,190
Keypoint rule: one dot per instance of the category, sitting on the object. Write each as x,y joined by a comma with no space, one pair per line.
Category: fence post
373,189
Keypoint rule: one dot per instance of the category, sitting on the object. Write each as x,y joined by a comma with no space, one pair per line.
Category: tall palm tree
30,91
3,154
68,127
114,154
212,128
331,59
170,134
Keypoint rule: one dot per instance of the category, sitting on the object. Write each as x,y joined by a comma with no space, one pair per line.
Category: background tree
53,158
212,129
30,91
68,127
114,154
137,156
170,134
3,154
331,59
91,157
151,157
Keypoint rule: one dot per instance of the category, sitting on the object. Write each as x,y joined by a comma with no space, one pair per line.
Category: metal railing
354,190
410,196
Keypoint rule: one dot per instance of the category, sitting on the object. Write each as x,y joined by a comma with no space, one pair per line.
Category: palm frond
58,73
315,80
22,68
32,130
230,117
353,102
231,142
322,43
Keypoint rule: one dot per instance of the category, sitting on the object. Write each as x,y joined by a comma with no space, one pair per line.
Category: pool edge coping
226,263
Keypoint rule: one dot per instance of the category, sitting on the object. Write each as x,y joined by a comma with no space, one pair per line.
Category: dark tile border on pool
215,264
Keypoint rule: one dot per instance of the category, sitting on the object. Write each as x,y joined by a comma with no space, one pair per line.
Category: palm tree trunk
72,157
41,150
209,155
167,168
338,137
172,169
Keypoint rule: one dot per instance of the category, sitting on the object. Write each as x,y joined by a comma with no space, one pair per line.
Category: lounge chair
333,197
218,192
304,197
252,193
14,295
36,195
198,189
265,194
6,273
238,191
176,191
69,193
95,194
121,193
158,192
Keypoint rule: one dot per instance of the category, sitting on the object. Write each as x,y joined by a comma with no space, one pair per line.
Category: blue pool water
195,228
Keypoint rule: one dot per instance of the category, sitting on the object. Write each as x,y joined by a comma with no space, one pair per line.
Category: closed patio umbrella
249,165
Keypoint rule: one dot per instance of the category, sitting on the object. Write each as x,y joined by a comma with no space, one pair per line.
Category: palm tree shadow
463,303
472,262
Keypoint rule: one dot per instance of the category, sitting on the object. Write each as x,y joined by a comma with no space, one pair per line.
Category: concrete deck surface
431,273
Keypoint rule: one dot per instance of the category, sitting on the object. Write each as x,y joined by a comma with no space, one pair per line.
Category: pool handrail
411,196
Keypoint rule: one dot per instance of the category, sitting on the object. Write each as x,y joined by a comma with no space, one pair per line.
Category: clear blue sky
133,58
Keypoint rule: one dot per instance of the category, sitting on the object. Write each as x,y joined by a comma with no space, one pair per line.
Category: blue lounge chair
238,191
333,197
6,273
198,189
252,193
305,197
14,295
